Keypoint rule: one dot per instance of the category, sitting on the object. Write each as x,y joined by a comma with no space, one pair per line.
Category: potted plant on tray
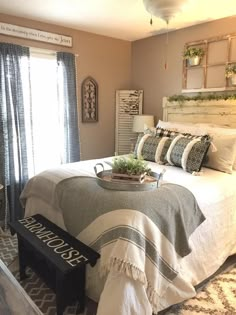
129,168
193,55
230,72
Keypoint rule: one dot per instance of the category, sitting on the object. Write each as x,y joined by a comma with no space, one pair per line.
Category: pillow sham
222,158
188,153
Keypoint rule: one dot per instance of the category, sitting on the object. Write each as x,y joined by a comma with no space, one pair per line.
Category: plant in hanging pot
193,55
230,72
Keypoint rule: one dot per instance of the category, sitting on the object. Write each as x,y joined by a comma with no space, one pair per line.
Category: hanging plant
230,70
191,52
193,55
201,97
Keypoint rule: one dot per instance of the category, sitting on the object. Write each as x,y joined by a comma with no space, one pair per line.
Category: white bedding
211,243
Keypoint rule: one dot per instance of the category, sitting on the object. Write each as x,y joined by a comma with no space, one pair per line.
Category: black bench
57,257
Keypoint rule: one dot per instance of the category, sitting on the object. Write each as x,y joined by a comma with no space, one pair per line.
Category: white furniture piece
128,104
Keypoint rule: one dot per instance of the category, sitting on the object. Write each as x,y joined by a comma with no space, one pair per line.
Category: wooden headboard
221,112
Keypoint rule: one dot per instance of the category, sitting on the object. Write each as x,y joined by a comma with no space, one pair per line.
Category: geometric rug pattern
218,296
8,247
45,298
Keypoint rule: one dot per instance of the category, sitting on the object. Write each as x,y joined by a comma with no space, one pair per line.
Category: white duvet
212,242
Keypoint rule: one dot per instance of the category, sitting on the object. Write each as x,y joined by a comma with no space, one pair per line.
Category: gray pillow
153,148
188,152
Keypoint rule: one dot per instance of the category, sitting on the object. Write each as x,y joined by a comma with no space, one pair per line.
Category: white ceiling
124,19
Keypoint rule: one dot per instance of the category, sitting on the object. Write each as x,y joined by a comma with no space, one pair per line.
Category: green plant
130,166
191,52
230,70
201,97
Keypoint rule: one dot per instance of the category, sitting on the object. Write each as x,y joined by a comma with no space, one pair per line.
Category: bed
141,282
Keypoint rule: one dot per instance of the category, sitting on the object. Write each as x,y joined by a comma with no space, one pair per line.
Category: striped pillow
153,148
188,152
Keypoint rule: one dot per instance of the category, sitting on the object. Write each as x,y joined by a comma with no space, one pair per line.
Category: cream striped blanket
142,234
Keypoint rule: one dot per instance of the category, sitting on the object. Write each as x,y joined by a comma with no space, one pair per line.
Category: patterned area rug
218,297
8,248
45,298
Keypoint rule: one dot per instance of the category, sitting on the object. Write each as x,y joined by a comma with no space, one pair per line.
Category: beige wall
117,64
148,59
107,60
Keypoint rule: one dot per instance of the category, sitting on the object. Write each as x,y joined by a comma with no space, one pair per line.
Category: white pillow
222,159
206,125
184,127
173,124
216,131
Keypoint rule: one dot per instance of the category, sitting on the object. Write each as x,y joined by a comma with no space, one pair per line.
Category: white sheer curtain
47,116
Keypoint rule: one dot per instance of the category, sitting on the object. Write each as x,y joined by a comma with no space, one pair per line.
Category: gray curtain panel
68,101
13,154
15,109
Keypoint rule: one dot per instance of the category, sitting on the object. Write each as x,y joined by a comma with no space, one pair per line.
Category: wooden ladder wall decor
209,75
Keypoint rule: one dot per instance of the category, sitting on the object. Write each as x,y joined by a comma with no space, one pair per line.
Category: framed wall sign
89,94
30,33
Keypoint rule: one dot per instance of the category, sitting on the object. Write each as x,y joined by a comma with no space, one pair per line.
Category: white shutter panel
128,104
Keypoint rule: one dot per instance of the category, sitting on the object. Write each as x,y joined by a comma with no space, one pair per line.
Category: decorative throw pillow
155,132
160,132
137,143
188,153
153,148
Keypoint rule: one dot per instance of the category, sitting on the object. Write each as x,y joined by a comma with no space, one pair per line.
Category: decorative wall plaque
30,33
89,95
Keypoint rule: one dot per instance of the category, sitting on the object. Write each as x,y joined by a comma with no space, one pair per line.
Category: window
44,132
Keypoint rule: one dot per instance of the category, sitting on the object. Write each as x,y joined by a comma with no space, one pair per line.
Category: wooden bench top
58,246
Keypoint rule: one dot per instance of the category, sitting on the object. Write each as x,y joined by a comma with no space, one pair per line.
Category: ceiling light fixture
164,9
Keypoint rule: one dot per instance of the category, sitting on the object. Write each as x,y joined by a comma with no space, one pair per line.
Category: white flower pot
194,61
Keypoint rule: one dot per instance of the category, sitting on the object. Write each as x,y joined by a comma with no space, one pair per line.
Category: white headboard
221,112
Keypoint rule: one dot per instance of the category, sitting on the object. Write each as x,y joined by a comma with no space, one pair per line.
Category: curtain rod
42,50
46,51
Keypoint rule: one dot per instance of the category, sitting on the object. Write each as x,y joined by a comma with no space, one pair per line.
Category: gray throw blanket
172,208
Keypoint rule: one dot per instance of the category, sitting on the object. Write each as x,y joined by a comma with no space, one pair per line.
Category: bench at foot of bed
57,257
